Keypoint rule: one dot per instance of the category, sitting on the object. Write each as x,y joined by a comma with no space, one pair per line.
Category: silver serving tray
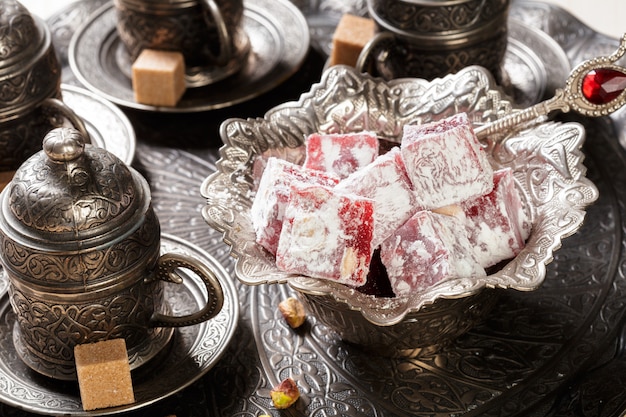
549,352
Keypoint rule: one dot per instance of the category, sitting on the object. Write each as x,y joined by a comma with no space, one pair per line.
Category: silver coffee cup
431,38
30,80
80,246
208,33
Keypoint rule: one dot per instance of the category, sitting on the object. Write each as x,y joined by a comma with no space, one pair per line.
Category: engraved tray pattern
553,352
530,348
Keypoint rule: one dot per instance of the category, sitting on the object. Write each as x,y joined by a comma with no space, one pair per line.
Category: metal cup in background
30,79
431,38
208,33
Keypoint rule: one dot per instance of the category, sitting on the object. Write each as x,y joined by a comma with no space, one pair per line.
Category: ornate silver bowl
546,160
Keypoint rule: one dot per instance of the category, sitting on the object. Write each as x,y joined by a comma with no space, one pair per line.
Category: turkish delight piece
268,206
428,249
495,221
341,153
326,234
294,155
386,182
445,162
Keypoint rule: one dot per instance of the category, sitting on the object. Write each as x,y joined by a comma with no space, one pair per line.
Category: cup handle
226,50
166,272
60,107
366,60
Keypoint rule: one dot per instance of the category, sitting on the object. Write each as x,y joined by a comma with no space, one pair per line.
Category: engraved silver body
207,32
432,38
80,244
30,81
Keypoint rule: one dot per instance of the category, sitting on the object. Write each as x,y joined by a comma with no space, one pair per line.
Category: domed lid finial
72,191
64,144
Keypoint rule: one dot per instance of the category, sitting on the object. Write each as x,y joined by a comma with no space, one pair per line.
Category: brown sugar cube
104,374
351,35
159,77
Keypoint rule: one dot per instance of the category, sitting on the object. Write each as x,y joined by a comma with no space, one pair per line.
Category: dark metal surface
554,352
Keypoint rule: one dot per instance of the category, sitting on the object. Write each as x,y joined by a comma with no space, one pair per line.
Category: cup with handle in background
208,33
431,38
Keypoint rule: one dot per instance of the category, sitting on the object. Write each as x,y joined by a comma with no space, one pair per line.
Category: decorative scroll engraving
61,269
47,332
37,73
45,195
30,74
462,16
18,30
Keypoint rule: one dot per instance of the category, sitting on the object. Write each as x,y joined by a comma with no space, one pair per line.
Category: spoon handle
596,87
522,117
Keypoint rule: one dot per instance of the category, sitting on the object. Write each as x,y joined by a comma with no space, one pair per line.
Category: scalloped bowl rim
389,311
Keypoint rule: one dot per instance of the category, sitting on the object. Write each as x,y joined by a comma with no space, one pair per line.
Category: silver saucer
108,126
279,41
535,64
193,352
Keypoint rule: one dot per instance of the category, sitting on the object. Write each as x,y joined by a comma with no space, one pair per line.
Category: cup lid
72,196
29,68
21,35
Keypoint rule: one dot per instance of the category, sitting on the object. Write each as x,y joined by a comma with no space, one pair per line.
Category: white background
604,16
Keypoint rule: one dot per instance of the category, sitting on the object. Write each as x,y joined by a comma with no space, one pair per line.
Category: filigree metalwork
191,352
80,248
570,97
89,267
45,194
345,101
45,347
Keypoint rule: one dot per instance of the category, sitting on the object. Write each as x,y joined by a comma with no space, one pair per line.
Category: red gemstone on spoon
603,85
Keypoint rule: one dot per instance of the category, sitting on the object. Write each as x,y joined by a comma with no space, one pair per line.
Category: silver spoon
596,87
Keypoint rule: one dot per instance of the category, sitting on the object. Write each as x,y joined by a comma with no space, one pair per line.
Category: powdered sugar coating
386,182
425,250
272,195
340,153
495,221
447,164
326,234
